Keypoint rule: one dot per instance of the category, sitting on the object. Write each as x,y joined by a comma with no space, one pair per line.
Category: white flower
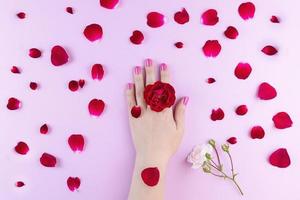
197,156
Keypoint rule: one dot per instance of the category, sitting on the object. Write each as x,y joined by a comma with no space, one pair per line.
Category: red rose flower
159,96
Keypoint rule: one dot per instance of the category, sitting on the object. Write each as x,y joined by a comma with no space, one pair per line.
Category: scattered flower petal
22,148
179,45
137,37
247,10
150,176
280,158
109,4
155,19
48,160
33,85
15,70
97,72
211,48
93,32
96,107
257,132
242,70
275,19
69,10
81,83
182,17
21,15
231,32
73,183
59,56
282,120
210,17
73,85
44,129
136,111
19,184
232,140
210,80
13,103
269,50
34,53
266,91
217,114
76,142
241,110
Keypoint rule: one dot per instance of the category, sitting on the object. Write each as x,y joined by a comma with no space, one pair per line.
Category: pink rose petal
241,110
257,132
34,53
59,56
137,37
96,107
211,48
210,17
73,183
242,70
48,160
155,19
97,72
13,104
217,114
269,50
266,91
76,142
231,32
280,158
282,120
93,32
109,4
247,10
182,17
22,148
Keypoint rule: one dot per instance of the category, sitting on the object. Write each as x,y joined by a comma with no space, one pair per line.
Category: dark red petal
69,10
73,85
44,129
19,184
242,70
93,32
282,120
15,70
280,158
182,17
231,32
257,132
275,19
217,114
266,91
179,45
137,37
96,107
73,183
232,140
247,10
81,83
34,53
136,111
48,160
97,72
210,17
109,4
13,103
155,19
269,50
211,48
33,85
22,148
59,56
210,80
21,15
76,142
241,110
150,176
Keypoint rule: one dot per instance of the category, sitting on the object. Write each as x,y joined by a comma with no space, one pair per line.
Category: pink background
106,164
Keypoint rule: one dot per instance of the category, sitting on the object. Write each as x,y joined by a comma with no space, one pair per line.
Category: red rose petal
44,129
247,10
33,85
241,110
97,72
282,120
242,70
73,183
22,148
59,56
76,142
211,48
69,10
210,80
266,91
109,4
210,17
13,103
96,107
137,37
150,176
280,158
136,111
182,17
257,132
48,160
81,83
34,53
179,45
15,70
19,184
93,32
232,140
231,32
217,114
275,19
155,19
21,15
269,50
73,85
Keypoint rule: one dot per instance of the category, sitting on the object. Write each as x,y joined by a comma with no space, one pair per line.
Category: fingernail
129,86
163,67
185,100
137,70
148,62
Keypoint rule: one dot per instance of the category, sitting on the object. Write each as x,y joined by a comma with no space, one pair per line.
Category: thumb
180,113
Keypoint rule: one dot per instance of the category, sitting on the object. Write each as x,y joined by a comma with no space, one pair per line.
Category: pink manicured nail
185,100
129,86
148,62
137,70
163,67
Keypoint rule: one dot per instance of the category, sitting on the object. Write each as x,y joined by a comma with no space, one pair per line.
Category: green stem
218,157
231,163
